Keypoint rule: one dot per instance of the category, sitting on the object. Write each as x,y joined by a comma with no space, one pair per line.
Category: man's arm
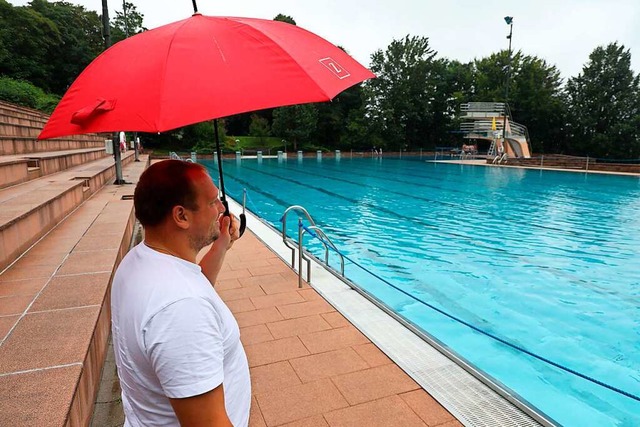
204,410
212,261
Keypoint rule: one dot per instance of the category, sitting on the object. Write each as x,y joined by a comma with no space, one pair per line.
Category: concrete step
13,110
17,169
13,129
17,145
55,315
29,210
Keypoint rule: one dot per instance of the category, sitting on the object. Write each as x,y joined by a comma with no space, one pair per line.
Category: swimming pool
546,261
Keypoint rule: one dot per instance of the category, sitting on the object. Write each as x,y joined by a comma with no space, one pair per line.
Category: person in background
177,345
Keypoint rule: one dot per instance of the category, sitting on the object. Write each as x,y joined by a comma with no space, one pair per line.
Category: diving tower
486,121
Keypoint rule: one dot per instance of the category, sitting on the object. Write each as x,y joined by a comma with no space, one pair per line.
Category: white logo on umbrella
335,68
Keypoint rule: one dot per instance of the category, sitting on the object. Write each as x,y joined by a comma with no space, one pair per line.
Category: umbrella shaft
219,152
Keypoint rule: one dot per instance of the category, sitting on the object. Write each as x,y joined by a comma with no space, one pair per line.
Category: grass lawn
255,143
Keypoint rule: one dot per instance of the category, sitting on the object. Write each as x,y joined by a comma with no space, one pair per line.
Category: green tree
26,94
537,101
407,101
126,23
259,127
285,18
490,76
334,118
604,112
461,83
27,40
295,123
80,41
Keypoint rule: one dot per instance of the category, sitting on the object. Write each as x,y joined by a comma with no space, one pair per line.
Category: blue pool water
547,261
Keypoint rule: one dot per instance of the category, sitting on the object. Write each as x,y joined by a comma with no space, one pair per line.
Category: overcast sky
563,32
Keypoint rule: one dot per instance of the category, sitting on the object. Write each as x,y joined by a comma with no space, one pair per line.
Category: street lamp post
509,21
114,139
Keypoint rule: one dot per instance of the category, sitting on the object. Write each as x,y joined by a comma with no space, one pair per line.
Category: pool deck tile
427,408
333,339
241,305
296,327
389,411
374,383
329,364
300,401
372,355
274,376
281,299
255,334
258,317
309,365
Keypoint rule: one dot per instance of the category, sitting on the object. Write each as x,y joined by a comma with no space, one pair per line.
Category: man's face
205,227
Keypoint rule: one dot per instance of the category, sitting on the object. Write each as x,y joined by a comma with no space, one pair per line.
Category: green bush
48,103
23,93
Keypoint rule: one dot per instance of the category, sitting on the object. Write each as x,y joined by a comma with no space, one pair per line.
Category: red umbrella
198,69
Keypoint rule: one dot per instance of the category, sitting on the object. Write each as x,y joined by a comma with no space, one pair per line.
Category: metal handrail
326,242
302,210
312,228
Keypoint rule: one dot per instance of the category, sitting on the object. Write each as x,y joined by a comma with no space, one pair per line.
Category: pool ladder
313,228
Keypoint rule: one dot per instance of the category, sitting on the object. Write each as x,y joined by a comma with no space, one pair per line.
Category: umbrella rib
164,71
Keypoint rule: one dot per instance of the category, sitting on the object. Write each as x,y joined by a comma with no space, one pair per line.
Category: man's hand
229,231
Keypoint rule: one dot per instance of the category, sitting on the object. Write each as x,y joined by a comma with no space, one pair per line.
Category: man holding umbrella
177,345
197,69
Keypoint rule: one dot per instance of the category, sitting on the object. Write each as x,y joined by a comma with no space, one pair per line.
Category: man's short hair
164,185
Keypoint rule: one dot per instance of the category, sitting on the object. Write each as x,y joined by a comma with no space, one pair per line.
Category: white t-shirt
173,337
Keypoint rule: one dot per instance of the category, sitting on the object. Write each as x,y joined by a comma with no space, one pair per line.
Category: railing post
587,165
541,161
300,253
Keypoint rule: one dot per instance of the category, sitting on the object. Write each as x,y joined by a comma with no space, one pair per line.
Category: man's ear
180,217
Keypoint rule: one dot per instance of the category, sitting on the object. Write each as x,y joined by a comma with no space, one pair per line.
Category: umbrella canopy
199,69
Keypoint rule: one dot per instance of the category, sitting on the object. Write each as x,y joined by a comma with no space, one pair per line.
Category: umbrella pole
219,153
243,217
117,160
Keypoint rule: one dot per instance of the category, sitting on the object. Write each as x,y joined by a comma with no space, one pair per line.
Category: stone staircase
63,230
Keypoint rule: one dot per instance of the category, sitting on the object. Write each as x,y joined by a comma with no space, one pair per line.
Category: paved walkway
309,365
